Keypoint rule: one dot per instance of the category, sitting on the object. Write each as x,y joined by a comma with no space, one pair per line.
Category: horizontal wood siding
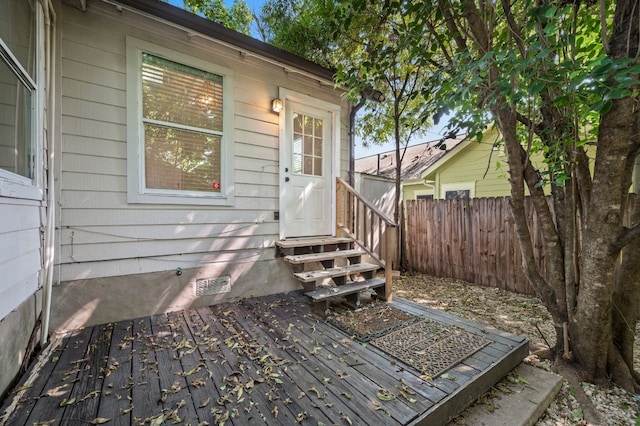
101,234
477,163
20,255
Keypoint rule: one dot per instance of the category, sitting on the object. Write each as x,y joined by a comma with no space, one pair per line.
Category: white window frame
458,186
136,190
13,185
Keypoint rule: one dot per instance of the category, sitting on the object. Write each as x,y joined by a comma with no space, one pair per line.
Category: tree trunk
601,322
626,300
603,223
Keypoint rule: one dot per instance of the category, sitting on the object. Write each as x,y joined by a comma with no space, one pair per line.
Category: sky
430,134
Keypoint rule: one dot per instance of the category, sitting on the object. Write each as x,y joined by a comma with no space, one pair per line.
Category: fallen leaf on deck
385,395
21,388
126,410
67,402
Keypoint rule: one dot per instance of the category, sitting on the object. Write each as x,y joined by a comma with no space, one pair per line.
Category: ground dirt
524,316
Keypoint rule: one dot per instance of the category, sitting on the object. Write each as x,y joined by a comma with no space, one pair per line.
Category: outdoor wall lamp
276,105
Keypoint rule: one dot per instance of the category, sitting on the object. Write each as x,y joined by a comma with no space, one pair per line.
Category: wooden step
312,276
319,257
354,287
306,242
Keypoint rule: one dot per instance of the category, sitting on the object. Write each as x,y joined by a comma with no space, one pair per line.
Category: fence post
388,266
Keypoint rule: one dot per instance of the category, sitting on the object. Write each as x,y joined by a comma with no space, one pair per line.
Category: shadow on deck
265,360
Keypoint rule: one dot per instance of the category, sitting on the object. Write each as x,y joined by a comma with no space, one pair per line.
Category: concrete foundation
102,300
15,331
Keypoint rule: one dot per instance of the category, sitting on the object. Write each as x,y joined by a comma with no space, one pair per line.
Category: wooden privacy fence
473,240
469,239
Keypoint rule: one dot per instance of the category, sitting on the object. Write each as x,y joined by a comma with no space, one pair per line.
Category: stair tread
349,288
309,276
327,255
316,241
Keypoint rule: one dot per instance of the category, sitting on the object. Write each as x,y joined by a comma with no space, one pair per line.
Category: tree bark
581,284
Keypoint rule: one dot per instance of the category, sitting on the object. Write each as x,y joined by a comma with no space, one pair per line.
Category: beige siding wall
101,234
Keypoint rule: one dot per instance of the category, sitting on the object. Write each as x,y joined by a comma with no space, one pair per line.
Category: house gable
478,168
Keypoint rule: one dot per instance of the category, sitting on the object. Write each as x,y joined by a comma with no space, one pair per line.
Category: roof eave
213,30
445,158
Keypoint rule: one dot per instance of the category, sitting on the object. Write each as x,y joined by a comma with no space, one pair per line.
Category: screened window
17,88
457,194
182,115
424,197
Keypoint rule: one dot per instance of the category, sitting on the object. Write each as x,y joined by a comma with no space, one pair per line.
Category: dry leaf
21,388
67,402
385,395
99,421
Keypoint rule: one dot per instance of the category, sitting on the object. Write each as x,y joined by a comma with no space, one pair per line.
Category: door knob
286,179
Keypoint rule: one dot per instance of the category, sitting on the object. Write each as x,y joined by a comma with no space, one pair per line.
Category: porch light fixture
276,105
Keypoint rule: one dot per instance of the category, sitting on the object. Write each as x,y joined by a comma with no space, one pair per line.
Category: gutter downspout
352,139
50,63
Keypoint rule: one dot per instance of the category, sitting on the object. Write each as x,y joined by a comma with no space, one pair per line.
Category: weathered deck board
118,370
311,354
265,360
89,379
325,341
146,391
61,381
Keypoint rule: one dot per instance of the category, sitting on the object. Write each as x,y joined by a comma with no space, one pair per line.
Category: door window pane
308,135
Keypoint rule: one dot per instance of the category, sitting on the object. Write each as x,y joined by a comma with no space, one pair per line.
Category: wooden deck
265,360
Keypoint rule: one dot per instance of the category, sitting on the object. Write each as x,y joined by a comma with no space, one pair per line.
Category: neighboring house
476,170
417,158
471,169
172,176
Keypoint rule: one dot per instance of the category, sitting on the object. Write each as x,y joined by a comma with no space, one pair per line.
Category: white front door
306,172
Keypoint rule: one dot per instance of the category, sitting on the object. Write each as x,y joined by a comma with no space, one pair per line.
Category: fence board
470,239
474,240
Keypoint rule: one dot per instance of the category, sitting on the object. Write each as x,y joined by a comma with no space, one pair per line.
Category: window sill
12,188
222,201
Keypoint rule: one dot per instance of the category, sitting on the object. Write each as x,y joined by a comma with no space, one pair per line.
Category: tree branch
527,122
629,234
513,27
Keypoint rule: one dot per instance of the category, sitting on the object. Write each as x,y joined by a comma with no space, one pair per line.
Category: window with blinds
182,117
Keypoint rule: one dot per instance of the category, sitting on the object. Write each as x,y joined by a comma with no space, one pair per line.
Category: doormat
430,347
372,321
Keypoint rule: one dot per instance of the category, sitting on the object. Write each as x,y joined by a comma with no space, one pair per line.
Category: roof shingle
417,158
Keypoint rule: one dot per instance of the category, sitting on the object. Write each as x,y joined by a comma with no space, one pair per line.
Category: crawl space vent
209,286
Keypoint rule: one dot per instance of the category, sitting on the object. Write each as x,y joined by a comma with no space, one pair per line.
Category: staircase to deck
331,268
